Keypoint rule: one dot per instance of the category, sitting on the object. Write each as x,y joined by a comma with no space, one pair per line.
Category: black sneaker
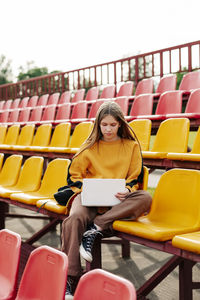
88,241
68,293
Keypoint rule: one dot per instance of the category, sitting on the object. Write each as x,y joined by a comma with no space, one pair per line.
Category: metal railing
177,59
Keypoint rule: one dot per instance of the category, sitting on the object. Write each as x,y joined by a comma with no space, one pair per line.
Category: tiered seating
142,105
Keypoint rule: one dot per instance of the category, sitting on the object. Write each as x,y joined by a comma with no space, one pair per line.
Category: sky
69,34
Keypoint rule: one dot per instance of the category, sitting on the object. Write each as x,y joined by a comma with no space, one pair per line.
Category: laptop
101,192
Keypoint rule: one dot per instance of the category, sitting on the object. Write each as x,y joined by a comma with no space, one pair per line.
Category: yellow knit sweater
118,159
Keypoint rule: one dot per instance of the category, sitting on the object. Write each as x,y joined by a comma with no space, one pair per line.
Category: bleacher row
58,108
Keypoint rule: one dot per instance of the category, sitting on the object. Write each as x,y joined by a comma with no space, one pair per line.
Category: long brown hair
113,109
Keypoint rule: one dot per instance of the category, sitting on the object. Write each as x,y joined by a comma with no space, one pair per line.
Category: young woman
111,151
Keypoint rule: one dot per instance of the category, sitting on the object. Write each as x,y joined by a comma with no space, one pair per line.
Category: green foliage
179,77
5,70
31,71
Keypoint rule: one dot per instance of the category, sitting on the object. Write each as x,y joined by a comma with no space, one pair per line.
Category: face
109,128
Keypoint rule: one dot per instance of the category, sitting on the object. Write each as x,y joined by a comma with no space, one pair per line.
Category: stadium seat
126,89
13,116
145,86
3,131
188,241
79,112
29,177
44,276
92,94
1,160
175,208
25,137
168,104
33,101
167,83
7,104
53,99
142,105
108,92
63,113
54,177
142,129
4,116
2,103
24,102
36,114
48,115
103,285
10,170
78,96
190,81
93,109
172,136
24,116
43,100
15,103
123,102
11,136
10,246
64,98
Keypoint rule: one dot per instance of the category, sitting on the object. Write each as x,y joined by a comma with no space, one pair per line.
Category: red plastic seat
102,285
33,101
167,83
43,100
78,96
145,86
190,81
65,97
53,99
10,246
7,104
93,109
44,276
108,92
126,89
24,102
15,103
48,115
13,116
2,104
92,94
4,116
63,113
36,114
79,112
123,102
142,105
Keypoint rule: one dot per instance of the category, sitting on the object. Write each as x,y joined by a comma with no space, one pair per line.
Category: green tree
31,71
6,74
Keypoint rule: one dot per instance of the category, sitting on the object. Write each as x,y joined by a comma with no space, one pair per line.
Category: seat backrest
42,135
190,81
79,110
142,105
80,134
3,130
4,116
43,100
24,114
1,159
25,137
15,103
45,275
92,93
54,177
49,113
61,135
102,285
12,135
142,129
53,99
94,108
33,101
63,112
172,136
196,144
13,115
123,102
193,103
10,246
24,102
78,96
10,171
27,181
2,103
108,92
126,89
145,86
36,114
8,104
167,83
65,97
176,198
169,102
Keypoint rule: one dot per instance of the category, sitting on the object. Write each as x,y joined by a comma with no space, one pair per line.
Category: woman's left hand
122,195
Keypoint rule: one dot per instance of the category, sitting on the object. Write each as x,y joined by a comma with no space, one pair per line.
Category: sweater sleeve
134,169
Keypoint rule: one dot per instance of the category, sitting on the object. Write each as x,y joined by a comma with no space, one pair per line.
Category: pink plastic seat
126,89
102,285
53,99
15,103
167,83
123,102
65,97
190,81
63,113
93,109
43,100
145,86
92,94
24,102
78,96
7,104
4,116
13,116
10,246
24,115
48,115
108,92
44,276
79,112
142,105
2,102
33,101
36,114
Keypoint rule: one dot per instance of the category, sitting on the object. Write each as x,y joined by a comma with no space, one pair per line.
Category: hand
122,195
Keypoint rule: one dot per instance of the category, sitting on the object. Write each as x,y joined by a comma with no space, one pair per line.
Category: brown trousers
75,224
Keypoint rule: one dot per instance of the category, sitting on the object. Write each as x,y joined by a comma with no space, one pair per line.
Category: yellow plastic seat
54,177
11,136
142,129
1,159
175,208
172,136
189,241
10,170
59,140
40,139
3,130
194,155
80,134
29,177
25,137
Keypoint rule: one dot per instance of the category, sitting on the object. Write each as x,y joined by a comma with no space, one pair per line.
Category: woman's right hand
122,195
